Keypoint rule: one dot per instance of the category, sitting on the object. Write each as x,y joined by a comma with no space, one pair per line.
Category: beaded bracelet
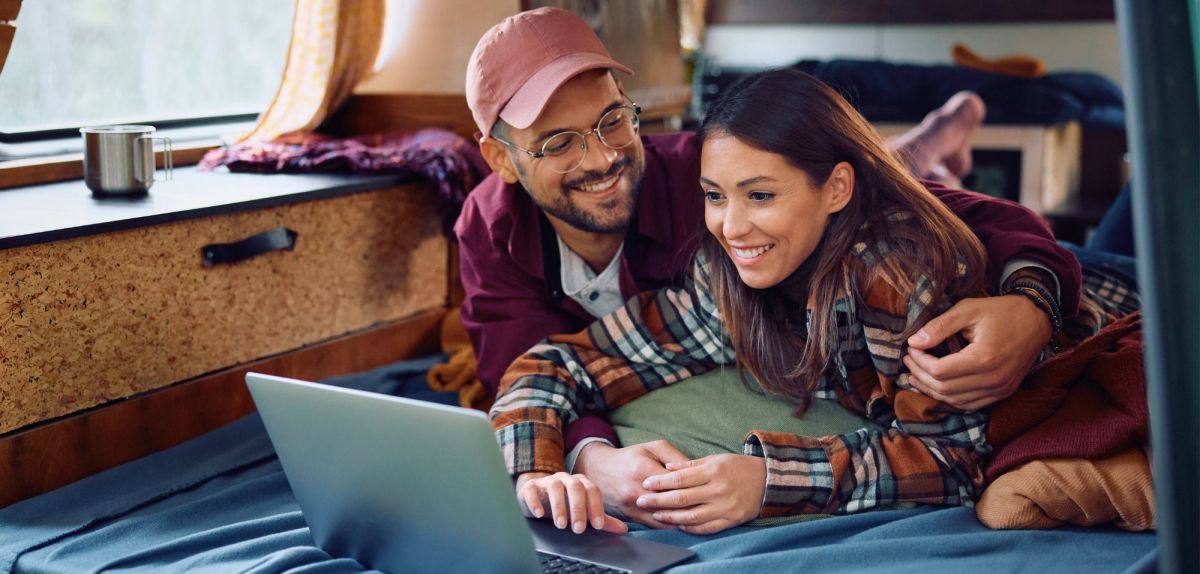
1046,302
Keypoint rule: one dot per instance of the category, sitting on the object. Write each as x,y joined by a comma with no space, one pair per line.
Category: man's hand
573,500
619,473
708,495
1005,336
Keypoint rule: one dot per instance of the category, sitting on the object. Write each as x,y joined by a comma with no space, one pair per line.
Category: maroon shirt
506,247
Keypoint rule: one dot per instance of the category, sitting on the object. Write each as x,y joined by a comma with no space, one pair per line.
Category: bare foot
941,144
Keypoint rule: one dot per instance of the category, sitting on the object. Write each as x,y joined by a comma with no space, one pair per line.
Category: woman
824,256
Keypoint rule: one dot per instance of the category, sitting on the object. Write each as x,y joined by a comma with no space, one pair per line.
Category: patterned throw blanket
451,162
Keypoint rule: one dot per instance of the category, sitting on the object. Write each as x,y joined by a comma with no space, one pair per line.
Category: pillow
712,414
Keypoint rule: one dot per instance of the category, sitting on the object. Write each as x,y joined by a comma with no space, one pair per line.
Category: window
168,63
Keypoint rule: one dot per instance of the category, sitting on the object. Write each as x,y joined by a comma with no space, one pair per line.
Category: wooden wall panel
368,114
54,454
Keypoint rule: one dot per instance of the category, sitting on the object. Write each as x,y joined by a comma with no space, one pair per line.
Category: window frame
67,132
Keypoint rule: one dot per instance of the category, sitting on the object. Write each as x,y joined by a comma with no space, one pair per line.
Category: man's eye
557,145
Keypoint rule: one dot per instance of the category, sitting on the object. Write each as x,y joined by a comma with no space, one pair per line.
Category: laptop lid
397,484
406,485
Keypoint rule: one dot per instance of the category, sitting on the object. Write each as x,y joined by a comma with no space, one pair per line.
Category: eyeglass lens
565,151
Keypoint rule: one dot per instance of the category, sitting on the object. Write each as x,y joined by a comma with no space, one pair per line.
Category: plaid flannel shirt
927,452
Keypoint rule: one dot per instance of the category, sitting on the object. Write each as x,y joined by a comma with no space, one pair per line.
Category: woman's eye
761,196
713,196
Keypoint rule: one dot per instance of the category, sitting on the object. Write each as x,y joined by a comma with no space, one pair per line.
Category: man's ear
497,157
839,188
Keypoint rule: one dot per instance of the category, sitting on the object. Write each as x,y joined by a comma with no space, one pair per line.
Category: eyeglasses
565,151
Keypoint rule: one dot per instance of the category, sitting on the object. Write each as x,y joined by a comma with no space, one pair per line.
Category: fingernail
921,336
560,522
641,501
648,483
539,513
598,522
658,516
579,527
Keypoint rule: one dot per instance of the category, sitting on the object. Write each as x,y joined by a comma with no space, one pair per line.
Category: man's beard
565,209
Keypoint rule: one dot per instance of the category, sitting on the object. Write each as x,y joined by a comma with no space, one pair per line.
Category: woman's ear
839,188
497,157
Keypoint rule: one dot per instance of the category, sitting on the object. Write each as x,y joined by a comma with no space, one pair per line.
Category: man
580,214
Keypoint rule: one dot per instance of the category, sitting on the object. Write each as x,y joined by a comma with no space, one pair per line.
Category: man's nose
597,156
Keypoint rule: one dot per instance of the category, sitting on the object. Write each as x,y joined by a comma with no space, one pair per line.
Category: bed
220,503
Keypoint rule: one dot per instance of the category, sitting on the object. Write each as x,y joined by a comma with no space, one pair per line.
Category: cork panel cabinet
89,320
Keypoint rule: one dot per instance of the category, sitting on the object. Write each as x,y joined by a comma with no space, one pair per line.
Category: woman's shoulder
888,264
894,237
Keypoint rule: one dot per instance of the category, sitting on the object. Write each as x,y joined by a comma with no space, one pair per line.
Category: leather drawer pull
278,239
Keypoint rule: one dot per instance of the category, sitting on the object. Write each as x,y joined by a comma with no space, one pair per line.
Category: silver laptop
410,486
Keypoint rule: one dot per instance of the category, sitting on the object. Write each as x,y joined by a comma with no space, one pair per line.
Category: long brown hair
796,116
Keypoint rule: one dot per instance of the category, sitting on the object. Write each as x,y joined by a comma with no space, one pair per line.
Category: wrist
1037,295
590,452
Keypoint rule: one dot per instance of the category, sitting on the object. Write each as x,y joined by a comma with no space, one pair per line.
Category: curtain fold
334,45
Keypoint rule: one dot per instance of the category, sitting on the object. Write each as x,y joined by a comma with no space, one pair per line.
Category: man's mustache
593,177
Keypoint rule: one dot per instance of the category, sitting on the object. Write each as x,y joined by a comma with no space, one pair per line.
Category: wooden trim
9,10
904,11
39,170
56,453
378,113
7,31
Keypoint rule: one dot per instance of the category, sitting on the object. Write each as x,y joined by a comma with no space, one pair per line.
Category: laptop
402,485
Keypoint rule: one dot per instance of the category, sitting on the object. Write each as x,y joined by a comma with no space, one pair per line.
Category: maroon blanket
449,161
1088,402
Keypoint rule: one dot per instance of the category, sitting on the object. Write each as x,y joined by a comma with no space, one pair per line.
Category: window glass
92,62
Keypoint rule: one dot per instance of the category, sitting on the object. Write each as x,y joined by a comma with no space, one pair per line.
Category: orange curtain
334,45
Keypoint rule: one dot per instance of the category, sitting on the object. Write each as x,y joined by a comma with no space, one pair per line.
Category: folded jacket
1087,402
1049,493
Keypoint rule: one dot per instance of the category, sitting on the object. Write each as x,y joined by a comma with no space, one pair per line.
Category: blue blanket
220,503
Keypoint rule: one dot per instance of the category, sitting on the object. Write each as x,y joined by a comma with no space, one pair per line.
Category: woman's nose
735,224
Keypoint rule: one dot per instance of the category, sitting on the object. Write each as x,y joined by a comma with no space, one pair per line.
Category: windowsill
54,212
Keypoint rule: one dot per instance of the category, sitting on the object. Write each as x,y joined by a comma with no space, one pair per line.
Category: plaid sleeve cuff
800,476
531,447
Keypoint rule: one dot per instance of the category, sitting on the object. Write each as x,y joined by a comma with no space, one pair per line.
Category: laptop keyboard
552,564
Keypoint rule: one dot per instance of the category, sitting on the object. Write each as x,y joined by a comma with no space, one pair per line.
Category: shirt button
595,295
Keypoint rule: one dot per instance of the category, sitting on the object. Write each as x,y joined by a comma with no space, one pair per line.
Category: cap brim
526,105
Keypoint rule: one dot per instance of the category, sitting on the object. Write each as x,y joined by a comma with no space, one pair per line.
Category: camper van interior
351,192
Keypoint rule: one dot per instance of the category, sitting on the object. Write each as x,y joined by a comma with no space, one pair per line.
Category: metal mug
118,161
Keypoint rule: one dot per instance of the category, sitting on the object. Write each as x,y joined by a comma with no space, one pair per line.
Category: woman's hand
709,494
572,498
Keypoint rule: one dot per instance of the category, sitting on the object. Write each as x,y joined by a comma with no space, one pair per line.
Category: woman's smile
749,255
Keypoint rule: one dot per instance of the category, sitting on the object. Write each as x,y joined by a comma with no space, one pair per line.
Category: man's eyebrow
551,133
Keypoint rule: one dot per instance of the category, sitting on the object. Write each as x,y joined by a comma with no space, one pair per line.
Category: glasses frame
540,154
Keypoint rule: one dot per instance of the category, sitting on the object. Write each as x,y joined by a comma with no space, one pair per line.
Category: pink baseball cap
522,61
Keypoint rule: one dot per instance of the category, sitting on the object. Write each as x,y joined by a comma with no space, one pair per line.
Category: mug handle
168,159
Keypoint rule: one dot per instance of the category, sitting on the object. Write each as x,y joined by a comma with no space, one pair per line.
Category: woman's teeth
752,253
600,186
